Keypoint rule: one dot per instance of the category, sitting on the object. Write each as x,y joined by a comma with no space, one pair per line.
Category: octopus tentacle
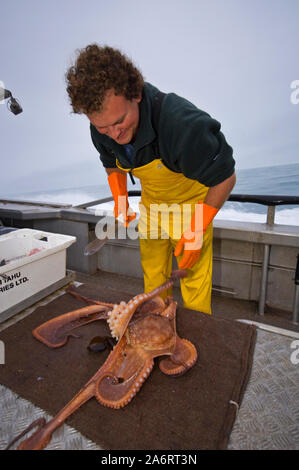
55,333
115,391
38,423
170,311
86,299
183,358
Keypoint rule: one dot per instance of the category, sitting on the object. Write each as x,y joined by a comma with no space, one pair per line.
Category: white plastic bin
35,260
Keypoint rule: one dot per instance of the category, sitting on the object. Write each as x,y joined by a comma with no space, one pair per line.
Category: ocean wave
71,197
283,216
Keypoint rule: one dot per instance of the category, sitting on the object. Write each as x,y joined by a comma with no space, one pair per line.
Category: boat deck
268,417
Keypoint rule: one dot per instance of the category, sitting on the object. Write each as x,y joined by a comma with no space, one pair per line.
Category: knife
94,246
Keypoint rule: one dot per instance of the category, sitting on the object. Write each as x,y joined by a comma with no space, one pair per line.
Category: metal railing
271,202
267,200
52,205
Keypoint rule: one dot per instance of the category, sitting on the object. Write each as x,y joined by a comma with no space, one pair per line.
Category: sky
236,60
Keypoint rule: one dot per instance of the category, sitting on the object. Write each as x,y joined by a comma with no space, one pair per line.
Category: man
176,150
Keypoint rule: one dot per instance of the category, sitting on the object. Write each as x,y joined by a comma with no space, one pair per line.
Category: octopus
144,328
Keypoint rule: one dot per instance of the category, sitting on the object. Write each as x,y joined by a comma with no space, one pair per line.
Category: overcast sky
233,58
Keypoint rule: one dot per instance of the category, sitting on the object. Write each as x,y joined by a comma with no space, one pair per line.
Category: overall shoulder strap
156,109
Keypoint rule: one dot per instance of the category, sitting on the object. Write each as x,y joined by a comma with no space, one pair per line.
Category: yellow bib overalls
167,193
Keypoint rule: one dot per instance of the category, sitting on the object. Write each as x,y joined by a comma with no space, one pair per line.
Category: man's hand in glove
192,239
118,186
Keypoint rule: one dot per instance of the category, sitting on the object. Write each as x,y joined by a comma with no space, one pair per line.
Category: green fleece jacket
189,141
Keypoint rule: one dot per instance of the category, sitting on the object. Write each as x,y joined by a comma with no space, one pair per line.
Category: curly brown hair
97,70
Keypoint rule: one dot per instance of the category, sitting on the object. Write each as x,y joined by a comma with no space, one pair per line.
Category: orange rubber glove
192,239
118,186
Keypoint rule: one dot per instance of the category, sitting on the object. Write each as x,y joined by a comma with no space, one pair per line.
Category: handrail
266,200
271,201
51,205
94,203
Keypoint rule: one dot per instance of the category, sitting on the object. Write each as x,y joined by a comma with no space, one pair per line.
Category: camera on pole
12,104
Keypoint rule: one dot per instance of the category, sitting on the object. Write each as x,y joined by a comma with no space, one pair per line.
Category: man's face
118,119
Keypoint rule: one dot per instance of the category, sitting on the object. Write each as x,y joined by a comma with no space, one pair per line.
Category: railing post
270,215
265,265
264,280
296,297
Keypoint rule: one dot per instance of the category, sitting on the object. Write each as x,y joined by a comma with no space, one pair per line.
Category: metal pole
264,280
296,305
270,215
93,203
296,298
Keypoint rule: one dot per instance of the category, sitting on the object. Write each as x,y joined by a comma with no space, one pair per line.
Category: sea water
282,180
